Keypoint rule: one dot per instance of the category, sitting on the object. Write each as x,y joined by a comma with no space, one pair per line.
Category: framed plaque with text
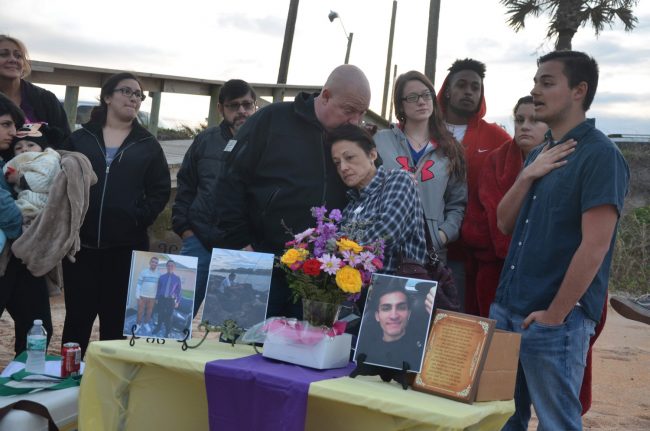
455,355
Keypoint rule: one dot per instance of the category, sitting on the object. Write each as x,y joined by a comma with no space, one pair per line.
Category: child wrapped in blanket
32,170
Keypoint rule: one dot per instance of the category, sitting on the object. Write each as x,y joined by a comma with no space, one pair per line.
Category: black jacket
279,169
194,207
47,108
129,193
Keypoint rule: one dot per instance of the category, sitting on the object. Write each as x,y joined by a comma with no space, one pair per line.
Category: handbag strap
432,254
31,407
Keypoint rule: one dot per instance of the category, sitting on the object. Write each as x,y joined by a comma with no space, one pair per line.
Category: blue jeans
552,361
193,247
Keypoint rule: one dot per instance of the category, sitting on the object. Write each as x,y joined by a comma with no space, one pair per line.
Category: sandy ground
621,369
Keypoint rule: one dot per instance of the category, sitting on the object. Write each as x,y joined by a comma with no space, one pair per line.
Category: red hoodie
480,139
497,176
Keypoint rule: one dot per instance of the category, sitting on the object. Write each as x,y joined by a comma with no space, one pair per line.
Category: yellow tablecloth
160,387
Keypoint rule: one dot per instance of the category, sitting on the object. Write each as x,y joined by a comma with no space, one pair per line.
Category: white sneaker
137,328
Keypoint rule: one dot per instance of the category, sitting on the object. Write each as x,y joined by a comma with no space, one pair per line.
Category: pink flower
378,263
301,236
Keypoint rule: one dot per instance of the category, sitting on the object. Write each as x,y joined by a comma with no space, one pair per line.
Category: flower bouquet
325,266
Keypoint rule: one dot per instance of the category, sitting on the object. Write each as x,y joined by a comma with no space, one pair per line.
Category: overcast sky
218,39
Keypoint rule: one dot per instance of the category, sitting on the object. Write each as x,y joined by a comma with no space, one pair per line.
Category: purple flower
352,258
318,212
329,263
366,258
336,215
366,276
354,297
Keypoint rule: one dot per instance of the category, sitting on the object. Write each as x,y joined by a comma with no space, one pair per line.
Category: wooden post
389,60
278,94
70,104
432,41
214,118
288,42
155,112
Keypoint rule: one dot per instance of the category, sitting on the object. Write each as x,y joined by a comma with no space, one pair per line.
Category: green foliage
642,215
321,288
567,16
181,132
631,261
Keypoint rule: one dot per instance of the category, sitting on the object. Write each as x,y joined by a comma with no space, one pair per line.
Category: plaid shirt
391,206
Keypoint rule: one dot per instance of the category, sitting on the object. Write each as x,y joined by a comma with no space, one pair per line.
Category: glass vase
319,313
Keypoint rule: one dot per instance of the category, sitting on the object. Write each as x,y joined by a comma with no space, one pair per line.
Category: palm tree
568,15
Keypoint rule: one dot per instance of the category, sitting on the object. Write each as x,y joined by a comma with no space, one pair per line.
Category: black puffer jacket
47,108
130,192
194,207
279,169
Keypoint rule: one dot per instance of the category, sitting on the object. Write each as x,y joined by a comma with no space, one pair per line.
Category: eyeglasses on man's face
248,106
415,98
128,92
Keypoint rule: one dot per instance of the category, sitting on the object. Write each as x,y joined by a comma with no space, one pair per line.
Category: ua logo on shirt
426,173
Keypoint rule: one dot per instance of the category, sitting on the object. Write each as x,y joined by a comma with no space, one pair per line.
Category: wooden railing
73,77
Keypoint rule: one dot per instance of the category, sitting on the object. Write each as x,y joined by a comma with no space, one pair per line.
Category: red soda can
70,359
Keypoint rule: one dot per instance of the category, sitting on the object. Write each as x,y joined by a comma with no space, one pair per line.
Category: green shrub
631,261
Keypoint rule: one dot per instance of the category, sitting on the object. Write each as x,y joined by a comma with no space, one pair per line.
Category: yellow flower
348,279
294,255
347,244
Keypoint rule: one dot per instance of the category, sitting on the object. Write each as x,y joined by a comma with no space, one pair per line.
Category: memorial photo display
238,287
160,300
455,355
395,322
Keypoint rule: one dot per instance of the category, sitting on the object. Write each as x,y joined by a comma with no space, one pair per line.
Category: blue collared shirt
548,229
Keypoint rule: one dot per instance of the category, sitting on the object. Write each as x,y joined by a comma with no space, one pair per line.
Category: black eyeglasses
414,98
248,106
126,91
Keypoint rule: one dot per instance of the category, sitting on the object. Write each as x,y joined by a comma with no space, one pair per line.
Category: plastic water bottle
36,345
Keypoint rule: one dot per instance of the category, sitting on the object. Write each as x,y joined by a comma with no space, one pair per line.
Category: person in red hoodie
484,241
462,101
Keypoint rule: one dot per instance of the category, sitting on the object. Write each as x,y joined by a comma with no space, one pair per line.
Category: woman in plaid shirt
383,204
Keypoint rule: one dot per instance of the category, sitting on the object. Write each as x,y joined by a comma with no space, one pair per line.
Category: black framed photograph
160,301
395,322
238,287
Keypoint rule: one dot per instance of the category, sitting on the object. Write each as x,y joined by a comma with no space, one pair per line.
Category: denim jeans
193,247
552,360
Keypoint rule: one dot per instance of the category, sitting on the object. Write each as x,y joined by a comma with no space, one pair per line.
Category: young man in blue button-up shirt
562,211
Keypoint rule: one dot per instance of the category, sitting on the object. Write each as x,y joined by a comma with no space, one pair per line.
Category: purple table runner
255,393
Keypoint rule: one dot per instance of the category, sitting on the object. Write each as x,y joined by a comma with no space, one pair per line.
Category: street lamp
332,16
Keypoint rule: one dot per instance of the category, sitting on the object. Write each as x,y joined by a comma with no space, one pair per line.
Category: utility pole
347,52
390,112
389,60
432,41
286,49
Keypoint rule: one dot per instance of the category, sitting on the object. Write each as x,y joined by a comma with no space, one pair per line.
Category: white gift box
330,352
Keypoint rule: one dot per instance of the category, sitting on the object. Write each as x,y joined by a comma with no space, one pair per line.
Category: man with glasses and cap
193,210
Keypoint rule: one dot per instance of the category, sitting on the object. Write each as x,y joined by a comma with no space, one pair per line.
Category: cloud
607,97
69,47
606,51
269,25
